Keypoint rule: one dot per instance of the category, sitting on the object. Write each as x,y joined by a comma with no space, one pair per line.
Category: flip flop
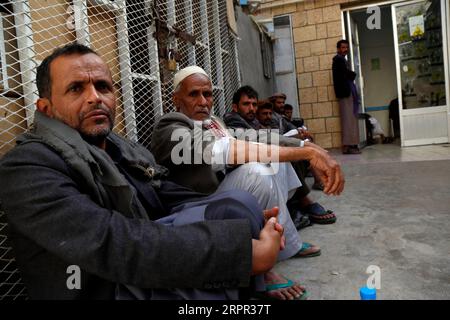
276,286
306,246
316,212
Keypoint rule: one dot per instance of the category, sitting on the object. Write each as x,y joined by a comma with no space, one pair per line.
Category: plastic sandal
306,246
276,286
316,212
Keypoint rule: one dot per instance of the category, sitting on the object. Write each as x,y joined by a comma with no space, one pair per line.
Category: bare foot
308,250
325,216
292,292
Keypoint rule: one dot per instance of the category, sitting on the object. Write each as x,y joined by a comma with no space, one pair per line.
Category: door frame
360,78
362,126
445,12
403,113
447,29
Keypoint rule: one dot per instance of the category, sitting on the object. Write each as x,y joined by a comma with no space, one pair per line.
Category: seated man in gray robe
195,145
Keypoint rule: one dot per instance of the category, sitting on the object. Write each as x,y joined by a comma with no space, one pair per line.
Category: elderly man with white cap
201,154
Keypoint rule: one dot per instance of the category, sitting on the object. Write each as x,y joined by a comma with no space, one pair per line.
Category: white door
355,60
422,71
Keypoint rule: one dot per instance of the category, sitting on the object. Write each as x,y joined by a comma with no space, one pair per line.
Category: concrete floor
395,214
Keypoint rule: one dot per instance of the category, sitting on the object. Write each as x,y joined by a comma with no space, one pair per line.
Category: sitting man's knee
237,204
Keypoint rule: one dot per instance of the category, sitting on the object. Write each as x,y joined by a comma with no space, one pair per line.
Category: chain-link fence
142,41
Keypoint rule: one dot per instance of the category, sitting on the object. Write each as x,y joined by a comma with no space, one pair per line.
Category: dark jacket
235,121
68,204
280,123
175,132
342,77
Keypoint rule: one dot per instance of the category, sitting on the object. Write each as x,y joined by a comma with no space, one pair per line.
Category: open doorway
378,80
403,68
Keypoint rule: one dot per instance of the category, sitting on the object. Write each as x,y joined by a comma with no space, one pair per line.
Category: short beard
96,139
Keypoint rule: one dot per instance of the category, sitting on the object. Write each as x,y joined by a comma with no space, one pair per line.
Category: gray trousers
272,185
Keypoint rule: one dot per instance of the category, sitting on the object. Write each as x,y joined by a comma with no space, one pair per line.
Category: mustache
97,107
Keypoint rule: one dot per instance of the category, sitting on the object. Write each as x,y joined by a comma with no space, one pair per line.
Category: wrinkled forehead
76,64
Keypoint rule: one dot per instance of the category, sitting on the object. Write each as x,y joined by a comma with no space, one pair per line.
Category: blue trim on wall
380,108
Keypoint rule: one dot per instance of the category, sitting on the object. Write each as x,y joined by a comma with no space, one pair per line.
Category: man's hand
265,250
269,213
315,146
328,170
303,134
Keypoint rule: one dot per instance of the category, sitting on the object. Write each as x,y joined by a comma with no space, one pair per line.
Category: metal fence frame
215,50
144,84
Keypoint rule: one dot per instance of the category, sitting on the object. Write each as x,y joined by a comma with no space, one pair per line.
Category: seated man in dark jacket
81,201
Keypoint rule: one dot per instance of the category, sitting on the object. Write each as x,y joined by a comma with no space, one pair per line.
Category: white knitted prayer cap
186,72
